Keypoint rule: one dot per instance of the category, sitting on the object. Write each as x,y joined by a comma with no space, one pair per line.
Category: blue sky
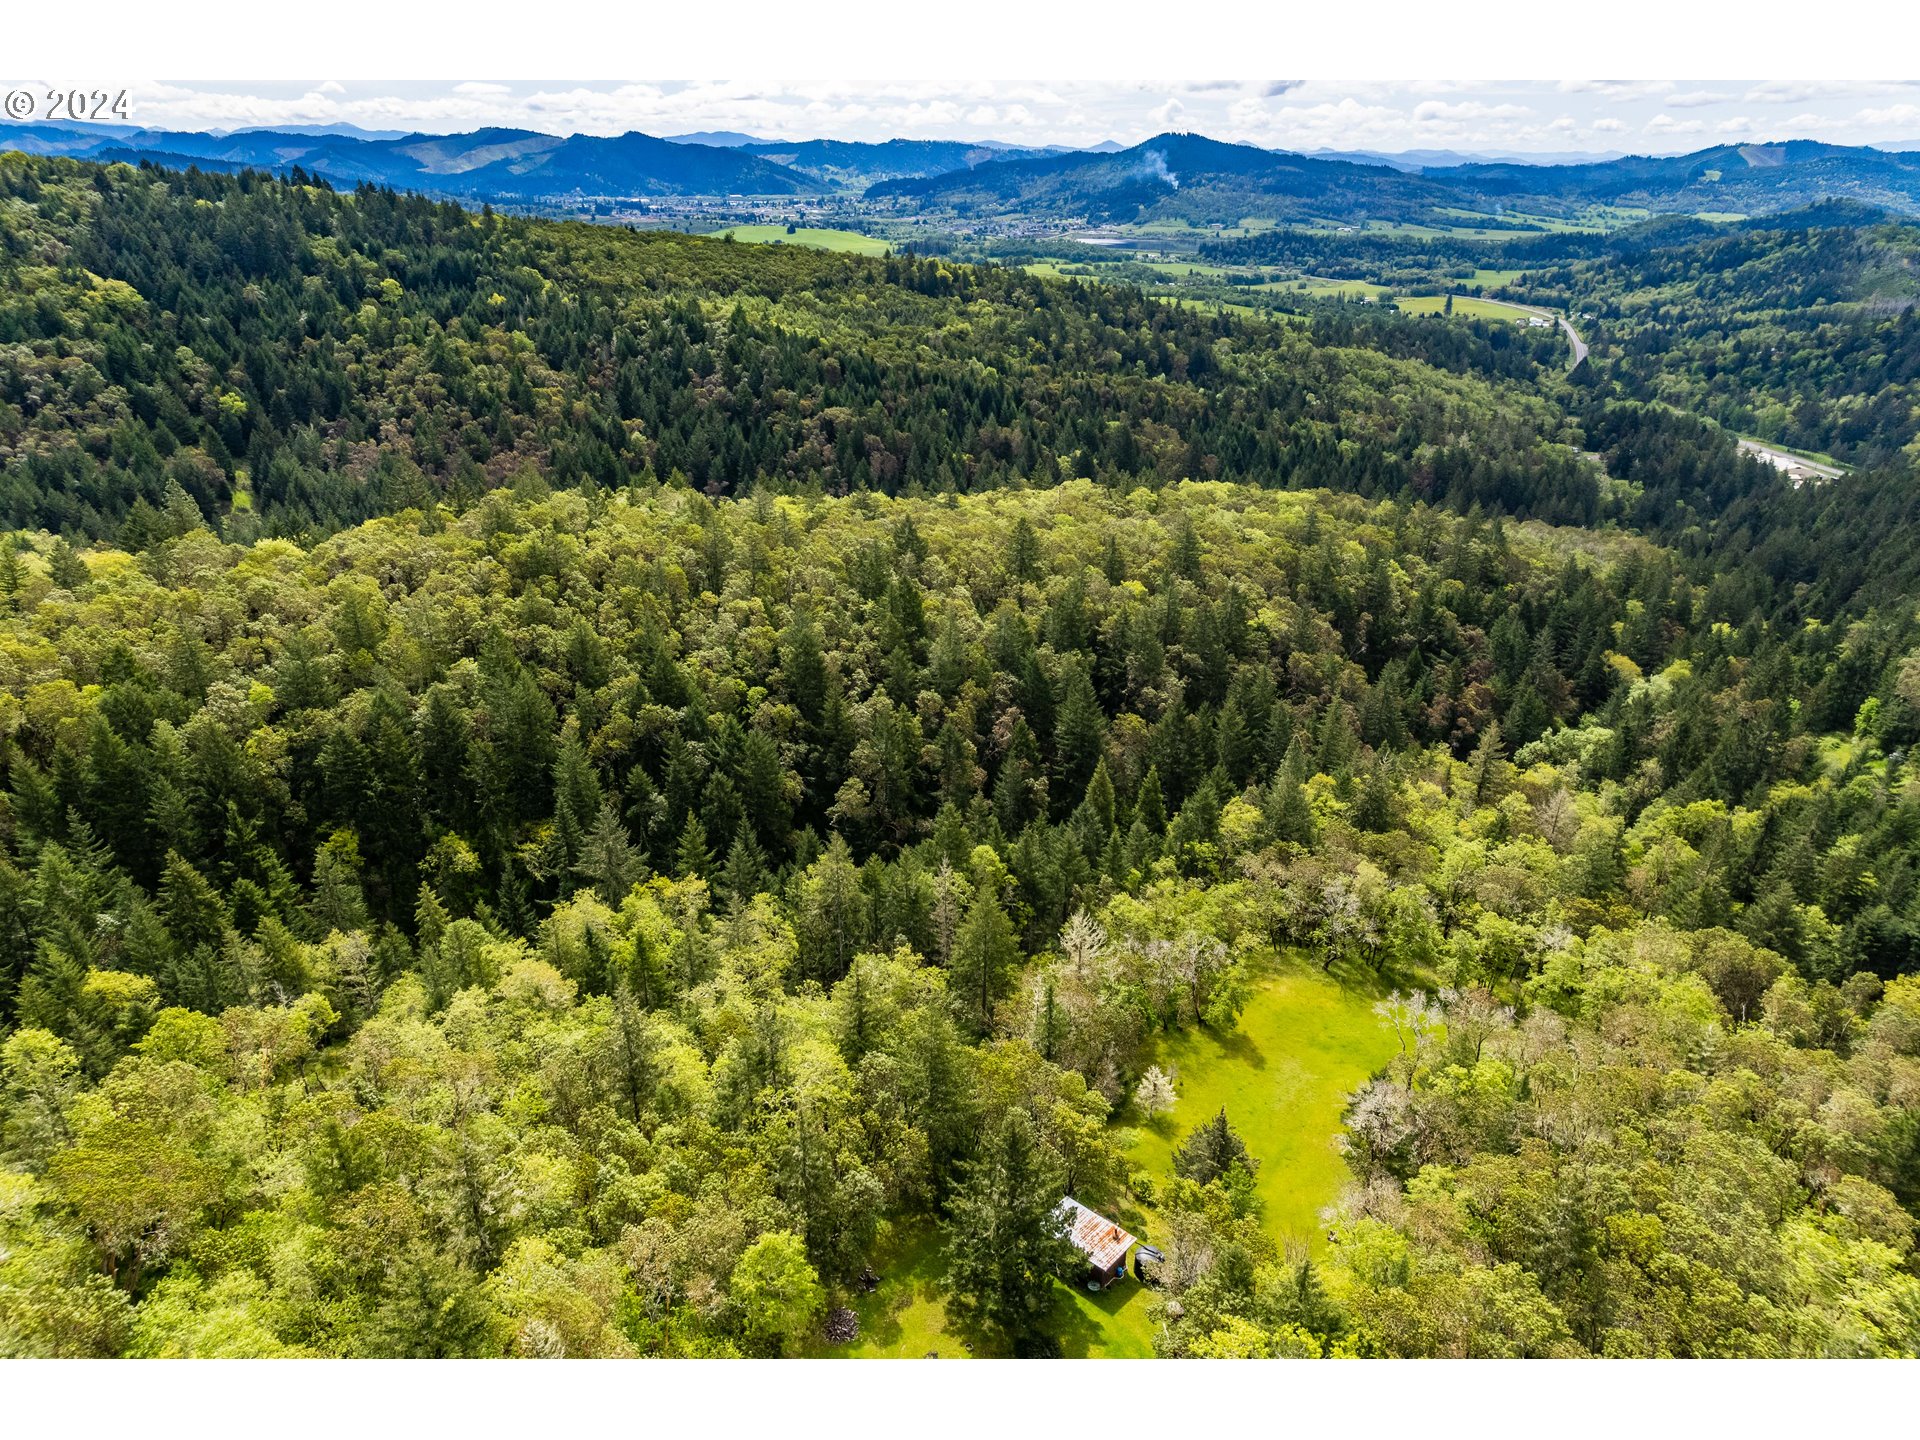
1637,116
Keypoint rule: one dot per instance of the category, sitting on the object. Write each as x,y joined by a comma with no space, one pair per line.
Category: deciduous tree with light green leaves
778,1293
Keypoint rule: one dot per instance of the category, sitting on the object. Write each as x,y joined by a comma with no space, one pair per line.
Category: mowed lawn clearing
851,241
1485,279
906,1317
1303,1044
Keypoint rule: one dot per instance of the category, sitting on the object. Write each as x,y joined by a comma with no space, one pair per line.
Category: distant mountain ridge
492,163
332,127
858,164
1192,177
1775,176
1170,176
1447,159
506,163
1177,175
727,139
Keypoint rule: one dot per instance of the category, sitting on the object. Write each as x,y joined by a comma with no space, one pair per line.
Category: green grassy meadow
1485,279
1060,269
1303,1044
850,241
1185,269
1325,288
1231,307
1465,307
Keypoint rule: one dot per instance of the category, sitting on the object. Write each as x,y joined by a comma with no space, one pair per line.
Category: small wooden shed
1104,1243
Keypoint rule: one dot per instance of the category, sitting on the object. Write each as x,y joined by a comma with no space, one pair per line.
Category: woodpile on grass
843,1326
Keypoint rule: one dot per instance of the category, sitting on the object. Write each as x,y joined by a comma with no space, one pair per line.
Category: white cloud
1781,92
1293,114
1689,99
1617,89
1798,92
1163,116
1889,117
1440,112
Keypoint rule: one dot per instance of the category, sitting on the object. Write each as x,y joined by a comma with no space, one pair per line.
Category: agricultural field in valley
848,241
1466,307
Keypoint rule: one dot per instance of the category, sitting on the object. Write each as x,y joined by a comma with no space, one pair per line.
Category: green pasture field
850,241
1323,288
1466,307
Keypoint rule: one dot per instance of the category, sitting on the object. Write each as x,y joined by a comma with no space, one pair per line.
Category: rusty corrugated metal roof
1104,1243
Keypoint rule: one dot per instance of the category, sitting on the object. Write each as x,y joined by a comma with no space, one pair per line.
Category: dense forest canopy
313,359
564,788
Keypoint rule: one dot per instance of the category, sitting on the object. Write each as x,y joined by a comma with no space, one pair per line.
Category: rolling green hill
1175,176
440,352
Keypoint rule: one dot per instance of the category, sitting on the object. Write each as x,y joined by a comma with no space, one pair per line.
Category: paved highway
1579,345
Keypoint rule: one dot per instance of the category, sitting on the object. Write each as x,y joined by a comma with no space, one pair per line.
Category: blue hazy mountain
726,139
488,163
1203,180
1171,175
858,164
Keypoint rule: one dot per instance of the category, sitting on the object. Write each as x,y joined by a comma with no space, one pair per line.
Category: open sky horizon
1538,117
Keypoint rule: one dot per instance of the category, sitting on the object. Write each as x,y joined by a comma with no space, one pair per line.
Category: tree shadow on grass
1367,977
1240,1047
912,1269
879,1314
1090,1321
1162,1125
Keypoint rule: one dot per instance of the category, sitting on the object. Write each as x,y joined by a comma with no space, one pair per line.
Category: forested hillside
494,163
317,359
570,792
1805,336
